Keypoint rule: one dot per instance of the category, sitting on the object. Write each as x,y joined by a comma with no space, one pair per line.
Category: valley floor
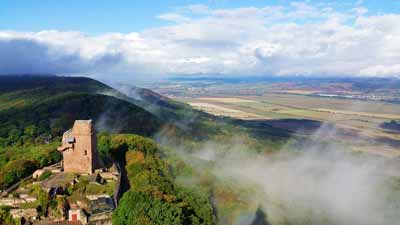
360,121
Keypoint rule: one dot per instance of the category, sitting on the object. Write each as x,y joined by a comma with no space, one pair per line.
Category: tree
14,136
138,208
43,200
31,131
5,217
154,197
103,144
14,171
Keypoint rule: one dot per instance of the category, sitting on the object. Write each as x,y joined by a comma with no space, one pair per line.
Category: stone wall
79,148
118,190
101,219
14,186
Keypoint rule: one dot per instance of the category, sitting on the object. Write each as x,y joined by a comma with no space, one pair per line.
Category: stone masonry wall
82,156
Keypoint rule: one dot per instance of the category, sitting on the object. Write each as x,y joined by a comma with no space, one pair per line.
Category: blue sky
102,16
135,38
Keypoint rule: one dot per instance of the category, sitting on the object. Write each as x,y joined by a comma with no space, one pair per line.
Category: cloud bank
298,39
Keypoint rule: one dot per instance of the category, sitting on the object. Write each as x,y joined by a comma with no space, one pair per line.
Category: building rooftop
101,205
48,222
83,121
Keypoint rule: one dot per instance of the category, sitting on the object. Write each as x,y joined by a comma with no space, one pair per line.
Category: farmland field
358,117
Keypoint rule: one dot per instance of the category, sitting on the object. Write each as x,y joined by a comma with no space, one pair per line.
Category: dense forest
39,109
154,197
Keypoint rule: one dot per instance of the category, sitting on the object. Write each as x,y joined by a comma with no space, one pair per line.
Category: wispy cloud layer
299,39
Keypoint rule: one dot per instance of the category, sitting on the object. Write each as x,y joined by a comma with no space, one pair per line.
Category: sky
132,39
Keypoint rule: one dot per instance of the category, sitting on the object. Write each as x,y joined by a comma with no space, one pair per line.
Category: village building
79,148
15,202
80,157
96,179
25,214
77,215
101,211
38,173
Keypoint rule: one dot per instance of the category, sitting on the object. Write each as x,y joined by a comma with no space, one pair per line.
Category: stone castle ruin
80,157
79,148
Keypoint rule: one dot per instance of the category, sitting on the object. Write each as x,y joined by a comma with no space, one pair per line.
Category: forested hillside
34,107
36,110
154,196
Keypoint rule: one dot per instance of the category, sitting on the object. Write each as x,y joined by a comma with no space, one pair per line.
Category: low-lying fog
320,184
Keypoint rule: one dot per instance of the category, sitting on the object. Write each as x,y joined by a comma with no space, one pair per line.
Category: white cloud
196,8
360,2
174,17
273,40
360,10
381,70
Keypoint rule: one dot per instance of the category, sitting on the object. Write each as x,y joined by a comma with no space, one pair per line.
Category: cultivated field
355,117
223,111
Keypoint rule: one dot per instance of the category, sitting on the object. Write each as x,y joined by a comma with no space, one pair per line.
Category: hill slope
34,106
36,110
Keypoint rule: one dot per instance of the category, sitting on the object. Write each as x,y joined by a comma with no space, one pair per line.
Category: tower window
85,152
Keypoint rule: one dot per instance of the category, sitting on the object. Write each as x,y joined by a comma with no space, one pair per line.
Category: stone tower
79,148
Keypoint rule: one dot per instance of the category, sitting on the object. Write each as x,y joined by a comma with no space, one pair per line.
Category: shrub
46,174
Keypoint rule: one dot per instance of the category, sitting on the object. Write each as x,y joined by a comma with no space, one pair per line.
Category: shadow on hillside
281,128
119,156
389,141
260,218
287,128
392,126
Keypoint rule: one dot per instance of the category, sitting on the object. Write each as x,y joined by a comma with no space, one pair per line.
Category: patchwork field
224,111
362,114
362,119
